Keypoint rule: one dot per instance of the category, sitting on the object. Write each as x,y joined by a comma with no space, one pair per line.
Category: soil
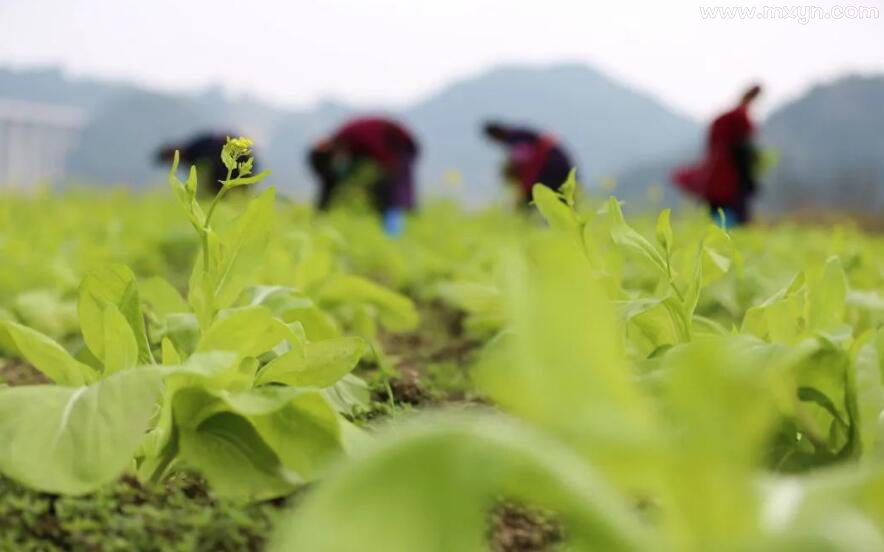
517,528
431,362
17,372
182,514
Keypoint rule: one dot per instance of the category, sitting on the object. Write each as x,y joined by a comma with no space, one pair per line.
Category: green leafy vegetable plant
208,384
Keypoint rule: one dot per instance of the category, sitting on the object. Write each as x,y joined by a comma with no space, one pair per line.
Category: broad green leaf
471,297
73,440
441,479
47,356
717,253
653,323
292,307
321,364
627,238
879,346
785,321
47,312
243,246
120,347
834,509
865,399
279,299
694,286
111,285
565,368
247,180
868,300
664,230
305,434
396,311
161,296
781,317
314,265
827,296
279,435
249,331
183,330
822,412
568,190
170,354
348,393
721,411
213,370
230,454
557,213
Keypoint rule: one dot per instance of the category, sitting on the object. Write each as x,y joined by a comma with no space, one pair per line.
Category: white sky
392,51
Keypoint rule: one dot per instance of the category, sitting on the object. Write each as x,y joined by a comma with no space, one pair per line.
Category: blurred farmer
726,179
369,160
204,152
532,158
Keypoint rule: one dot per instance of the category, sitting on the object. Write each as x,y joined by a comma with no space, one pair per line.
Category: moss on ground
181,514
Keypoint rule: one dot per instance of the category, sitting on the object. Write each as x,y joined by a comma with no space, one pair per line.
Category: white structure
35,140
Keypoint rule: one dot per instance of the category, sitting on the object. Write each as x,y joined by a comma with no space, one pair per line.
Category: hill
831,147
608,126
52,86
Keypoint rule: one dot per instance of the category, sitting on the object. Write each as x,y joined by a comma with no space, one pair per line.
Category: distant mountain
124,132
51,85
830,140
607,126
831,147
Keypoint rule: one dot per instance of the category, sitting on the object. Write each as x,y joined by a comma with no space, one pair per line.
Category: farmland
253,375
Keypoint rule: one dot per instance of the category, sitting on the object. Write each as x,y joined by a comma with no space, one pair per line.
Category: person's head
750,94
320,159
494,130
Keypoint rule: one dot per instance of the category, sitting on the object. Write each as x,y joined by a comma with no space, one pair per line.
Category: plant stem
204,236
672,281
218,197
207,226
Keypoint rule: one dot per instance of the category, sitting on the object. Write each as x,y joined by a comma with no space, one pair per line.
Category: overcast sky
393,51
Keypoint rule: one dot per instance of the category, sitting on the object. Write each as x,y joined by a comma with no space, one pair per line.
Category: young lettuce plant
83,430
319,307
250,411
678,465
666,316
824,417
321,292
230,391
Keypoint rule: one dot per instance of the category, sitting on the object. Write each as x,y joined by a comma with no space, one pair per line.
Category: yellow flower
234,149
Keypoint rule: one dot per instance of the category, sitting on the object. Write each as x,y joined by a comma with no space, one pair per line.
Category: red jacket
717,178
529,160
380,139
392,147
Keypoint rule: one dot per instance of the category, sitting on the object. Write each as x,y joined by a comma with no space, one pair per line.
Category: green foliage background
656,382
